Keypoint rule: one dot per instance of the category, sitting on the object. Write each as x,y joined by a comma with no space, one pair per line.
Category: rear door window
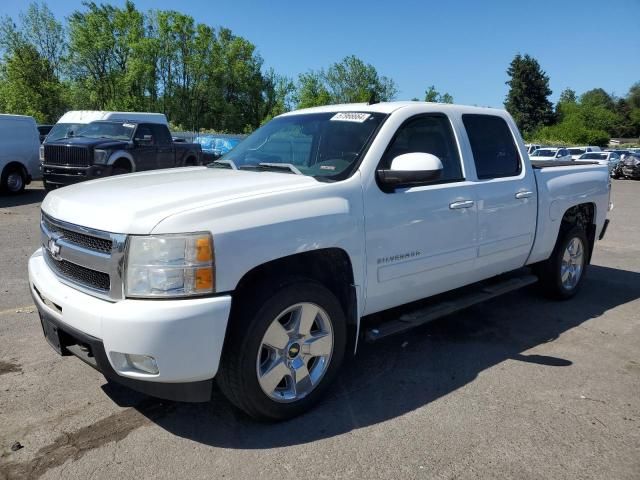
494,150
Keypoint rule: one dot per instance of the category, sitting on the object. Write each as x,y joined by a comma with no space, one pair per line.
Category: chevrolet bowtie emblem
54,248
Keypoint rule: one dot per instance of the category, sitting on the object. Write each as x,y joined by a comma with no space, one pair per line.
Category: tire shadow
400,374
29,196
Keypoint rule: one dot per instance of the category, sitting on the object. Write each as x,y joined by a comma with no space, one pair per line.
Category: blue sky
462,47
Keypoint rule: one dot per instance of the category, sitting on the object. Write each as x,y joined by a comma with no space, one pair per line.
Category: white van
70,121
19,144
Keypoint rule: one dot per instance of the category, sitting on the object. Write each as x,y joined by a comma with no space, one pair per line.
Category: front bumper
58,175
185,337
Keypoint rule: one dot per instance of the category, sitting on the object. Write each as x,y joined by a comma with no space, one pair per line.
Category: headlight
100,157
170,266
41,153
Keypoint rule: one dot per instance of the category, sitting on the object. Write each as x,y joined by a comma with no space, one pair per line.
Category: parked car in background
631,166
532,147
19,143
214,146
44,130
611,159
577,151
104,148
551,153
264,269
74,119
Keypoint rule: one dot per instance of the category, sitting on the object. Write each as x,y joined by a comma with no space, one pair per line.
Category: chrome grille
68,155
76,273
87,259
86,241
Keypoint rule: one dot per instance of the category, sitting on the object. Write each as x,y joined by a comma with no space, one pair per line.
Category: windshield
113,130
576,151
544,153
318,144
63,130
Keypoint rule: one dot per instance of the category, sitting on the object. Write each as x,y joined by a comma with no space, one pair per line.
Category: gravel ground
519,387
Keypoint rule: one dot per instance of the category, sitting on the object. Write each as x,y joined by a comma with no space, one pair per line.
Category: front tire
282,354
561,275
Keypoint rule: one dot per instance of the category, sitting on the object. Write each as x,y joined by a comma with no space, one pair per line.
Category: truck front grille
86,241
67,155
87,259
81,275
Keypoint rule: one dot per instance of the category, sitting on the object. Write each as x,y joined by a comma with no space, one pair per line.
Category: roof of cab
390,107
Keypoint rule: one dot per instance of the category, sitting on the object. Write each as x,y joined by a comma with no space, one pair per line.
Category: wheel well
14,165
190,161
582,215
329,266
123,163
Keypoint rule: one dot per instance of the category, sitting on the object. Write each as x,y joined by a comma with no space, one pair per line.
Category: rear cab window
494,150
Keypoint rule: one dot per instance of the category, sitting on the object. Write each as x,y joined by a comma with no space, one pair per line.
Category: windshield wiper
280,166
223,164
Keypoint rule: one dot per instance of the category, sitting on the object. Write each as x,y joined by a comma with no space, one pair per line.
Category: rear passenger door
506,195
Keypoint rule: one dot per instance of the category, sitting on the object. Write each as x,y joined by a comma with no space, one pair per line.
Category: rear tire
561,275
13,180
275,367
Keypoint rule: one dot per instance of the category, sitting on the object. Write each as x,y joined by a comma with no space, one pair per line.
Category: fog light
132,361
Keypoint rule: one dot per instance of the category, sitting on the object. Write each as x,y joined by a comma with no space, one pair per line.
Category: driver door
145,148
422,240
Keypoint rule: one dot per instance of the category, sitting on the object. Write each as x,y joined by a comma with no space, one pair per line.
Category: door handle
521,195
461,204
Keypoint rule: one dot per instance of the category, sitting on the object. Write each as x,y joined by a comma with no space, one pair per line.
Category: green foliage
527,100
28,85
119,58
432,95
349,81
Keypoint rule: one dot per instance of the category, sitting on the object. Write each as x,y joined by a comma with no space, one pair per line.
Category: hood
89,142
137,202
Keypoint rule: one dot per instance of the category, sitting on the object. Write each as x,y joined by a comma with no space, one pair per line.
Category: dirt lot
520,387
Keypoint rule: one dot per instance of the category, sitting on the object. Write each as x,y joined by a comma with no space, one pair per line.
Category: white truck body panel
402,246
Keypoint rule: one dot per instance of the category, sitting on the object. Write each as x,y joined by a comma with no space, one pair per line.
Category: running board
470,296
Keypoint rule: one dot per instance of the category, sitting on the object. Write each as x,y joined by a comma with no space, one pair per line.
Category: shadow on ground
29,196
387,380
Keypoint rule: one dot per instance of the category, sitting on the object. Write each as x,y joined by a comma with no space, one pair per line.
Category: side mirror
411,169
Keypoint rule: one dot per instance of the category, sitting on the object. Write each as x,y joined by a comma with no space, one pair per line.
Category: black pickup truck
104,148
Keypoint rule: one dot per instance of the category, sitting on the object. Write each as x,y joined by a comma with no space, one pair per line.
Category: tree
311,90
432,95
568,96
349,81
28,85
278,92
527,100
352,81
597,98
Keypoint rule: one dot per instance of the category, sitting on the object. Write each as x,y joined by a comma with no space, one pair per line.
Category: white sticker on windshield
128,125
357,117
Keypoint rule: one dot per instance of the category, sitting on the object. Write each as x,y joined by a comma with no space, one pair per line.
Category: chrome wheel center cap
294,350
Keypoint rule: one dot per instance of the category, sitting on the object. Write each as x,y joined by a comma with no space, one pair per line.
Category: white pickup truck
265,268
